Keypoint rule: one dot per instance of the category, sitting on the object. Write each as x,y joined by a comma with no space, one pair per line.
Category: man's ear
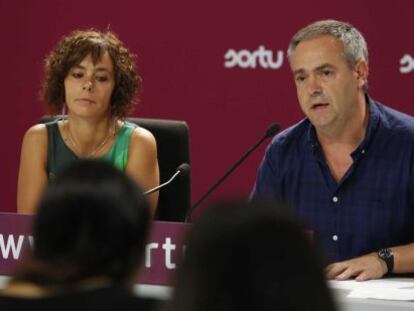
362,70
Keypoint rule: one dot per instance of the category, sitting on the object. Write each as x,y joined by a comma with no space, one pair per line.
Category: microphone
183,169
270,132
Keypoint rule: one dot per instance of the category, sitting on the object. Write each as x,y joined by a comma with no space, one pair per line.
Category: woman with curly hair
90,78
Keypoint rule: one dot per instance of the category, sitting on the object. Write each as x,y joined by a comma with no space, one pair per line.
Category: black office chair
173,149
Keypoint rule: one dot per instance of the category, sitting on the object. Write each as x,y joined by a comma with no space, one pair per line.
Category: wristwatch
387,255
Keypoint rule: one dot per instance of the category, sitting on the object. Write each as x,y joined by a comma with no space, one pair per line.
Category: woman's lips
85,100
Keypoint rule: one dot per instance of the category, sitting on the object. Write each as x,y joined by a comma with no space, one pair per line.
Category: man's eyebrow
298,71
324,66
319,68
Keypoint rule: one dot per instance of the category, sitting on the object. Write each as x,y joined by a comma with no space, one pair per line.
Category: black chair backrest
173,149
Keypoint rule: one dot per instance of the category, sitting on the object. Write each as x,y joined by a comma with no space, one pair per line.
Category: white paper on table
387,289
371,284
400,294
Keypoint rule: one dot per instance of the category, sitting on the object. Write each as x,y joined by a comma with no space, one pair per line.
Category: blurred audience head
249,256
92,222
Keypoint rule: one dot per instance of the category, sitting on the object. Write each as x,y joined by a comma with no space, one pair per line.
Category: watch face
385,253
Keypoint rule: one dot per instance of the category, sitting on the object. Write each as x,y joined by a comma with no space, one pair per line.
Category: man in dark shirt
347,169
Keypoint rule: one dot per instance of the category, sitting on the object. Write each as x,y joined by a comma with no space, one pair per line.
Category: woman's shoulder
36,129
142,144
140,135
36,133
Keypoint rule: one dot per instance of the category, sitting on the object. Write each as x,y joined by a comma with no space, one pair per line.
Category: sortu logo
407,64
260,57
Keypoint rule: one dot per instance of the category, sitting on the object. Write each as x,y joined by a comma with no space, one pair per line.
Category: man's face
327,88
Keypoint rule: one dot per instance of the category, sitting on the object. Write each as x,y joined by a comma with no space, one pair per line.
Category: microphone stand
163,184
184,168
270,132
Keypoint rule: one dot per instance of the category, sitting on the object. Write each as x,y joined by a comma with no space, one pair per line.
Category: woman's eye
77,75
101,78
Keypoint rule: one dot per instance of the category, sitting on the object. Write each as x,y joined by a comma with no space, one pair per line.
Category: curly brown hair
72,49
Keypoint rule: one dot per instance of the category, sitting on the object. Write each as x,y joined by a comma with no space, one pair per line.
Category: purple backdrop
215,64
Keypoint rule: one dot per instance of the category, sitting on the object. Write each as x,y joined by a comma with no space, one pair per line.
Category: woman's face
89,87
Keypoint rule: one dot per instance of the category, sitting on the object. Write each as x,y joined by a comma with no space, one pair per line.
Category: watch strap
387,255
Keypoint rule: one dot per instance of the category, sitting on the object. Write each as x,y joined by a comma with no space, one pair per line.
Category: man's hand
362,268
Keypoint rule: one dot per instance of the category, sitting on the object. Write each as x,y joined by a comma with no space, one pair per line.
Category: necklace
111,132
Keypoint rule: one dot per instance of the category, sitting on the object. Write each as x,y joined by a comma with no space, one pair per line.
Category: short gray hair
355,46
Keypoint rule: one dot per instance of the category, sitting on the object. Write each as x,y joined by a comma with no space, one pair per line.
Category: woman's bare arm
143,163
32,171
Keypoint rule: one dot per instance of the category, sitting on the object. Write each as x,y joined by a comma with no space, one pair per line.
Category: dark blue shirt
371,207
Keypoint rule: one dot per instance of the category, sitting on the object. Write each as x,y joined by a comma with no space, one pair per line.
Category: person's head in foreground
89,232
249,256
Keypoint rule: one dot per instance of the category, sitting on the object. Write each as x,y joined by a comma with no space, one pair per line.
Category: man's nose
314,86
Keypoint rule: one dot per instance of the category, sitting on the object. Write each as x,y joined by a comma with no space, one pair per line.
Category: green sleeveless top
59,155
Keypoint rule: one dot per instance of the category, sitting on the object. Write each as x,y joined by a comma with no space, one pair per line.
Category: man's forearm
403,258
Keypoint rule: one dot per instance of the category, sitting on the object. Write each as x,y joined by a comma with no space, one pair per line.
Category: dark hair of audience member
249,256
92,222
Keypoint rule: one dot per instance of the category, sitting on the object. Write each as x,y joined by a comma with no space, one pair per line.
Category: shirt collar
373,120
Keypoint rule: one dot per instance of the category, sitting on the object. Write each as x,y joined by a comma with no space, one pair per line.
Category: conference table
389,287
165,248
